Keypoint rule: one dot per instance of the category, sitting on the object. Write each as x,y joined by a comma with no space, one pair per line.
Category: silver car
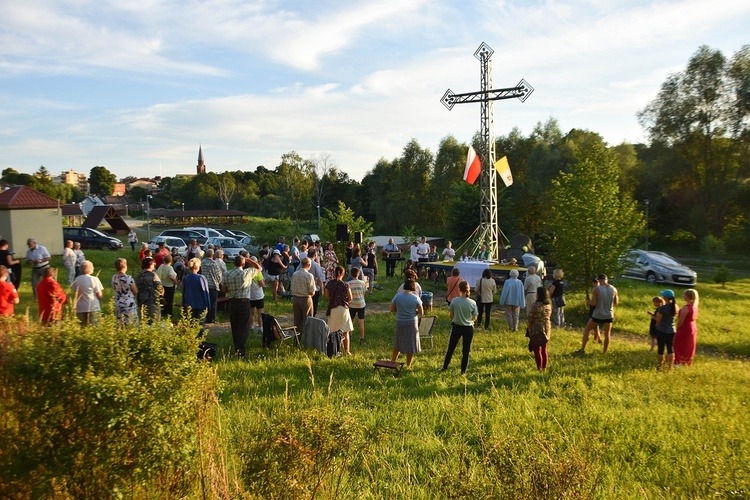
657,267
170,242
230,246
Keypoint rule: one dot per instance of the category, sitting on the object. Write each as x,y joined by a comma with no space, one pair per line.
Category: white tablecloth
471,271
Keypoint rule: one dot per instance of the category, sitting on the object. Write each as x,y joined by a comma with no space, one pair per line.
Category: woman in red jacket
51,297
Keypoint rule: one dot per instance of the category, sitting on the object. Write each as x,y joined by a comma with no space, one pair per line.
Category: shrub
713,248
100,411
722,274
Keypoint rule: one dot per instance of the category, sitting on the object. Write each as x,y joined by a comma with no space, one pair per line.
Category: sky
138,86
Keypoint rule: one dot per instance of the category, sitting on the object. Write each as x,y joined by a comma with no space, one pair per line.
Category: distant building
80,181
119,189
89,202
27,213
201,169
147,184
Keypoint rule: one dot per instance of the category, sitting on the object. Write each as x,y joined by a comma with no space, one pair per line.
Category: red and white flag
473,166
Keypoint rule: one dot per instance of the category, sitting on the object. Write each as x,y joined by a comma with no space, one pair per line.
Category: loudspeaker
342,232
358,238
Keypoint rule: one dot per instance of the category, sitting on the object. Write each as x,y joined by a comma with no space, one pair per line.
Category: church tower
201,169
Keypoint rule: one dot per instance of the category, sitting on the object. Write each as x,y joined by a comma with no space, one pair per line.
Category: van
91,238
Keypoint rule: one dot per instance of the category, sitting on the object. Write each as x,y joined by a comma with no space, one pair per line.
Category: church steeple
201,169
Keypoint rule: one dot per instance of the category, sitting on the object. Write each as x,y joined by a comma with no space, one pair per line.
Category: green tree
703,113
594,223
101,181
294,185
343,215
450,162
462,216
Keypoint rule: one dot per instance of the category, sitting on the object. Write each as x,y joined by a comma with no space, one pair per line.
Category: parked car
230,246
207,232
226,232
170,242
239,234
185,234
91,238
657,267
311,238
249,243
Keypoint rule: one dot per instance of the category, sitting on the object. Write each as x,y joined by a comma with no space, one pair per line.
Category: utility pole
148,217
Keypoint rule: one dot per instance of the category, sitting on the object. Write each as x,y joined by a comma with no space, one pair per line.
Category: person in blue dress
408,307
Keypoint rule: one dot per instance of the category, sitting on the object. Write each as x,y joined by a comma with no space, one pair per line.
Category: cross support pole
489,229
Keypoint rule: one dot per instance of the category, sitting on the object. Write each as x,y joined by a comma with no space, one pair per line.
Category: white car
170,242
207,232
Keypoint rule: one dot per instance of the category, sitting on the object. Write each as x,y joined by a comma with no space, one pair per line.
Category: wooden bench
390,365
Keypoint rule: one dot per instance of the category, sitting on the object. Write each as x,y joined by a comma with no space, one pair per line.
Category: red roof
21,197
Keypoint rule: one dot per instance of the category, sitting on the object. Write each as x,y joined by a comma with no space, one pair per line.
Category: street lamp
183,207
318,218
647,205
148,217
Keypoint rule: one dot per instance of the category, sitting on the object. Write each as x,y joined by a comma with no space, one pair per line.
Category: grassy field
293,423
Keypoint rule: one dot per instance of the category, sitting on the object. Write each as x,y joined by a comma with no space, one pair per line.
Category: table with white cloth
471,271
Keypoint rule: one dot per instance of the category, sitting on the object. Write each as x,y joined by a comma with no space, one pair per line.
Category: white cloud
252,80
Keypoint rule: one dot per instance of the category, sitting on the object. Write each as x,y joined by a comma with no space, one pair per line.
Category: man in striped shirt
303,289
211,270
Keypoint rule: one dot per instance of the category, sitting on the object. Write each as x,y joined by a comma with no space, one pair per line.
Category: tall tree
226,188
450,162
294,186
101,181
593,222
703,112
321,166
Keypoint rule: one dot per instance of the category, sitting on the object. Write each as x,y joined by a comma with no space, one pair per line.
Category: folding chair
426,326
273,331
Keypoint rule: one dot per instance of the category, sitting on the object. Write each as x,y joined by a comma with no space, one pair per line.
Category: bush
713,248
722,274
100,411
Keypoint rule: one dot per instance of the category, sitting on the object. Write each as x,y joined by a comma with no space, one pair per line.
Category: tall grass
289,423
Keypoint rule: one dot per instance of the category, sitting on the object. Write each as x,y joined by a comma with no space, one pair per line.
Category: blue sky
137,86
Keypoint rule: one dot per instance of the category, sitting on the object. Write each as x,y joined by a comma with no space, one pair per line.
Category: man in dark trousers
237,285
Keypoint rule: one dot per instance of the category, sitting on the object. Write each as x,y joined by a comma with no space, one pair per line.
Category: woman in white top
88,290
357,304
485,288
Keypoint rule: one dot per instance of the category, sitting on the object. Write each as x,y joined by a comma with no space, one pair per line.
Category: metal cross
488,220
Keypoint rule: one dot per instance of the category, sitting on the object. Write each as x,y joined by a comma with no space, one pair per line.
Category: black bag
558,301
334,344
207,350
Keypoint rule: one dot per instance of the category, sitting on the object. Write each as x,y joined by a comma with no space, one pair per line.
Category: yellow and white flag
503,170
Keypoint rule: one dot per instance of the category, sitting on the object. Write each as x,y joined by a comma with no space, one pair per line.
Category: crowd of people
673,329
305,271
